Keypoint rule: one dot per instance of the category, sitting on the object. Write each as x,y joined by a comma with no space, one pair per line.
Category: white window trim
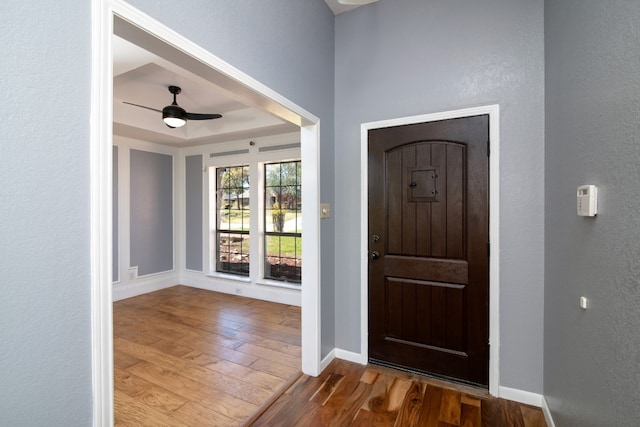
256,160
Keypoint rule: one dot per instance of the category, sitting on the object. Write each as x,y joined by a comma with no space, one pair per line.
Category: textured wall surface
45,357
288,46
592,357
45,350
393,59
406,57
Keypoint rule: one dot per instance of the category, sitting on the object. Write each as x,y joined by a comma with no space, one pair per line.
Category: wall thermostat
587,200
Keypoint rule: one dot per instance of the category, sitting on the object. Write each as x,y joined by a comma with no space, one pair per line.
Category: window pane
273,211
233,198
283,258
283,221
233,253
232,209
245,219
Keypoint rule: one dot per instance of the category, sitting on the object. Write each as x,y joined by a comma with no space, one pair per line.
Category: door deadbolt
375,238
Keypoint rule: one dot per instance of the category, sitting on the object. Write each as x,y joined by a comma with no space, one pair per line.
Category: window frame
275,149
229,231
296,235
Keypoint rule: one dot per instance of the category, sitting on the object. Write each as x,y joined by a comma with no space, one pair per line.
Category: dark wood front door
428,247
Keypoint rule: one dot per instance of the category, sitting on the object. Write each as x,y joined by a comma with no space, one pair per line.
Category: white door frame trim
494,230
104,13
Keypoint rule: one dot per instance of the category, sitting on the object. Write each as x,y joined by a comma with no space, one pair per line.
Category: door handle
375,255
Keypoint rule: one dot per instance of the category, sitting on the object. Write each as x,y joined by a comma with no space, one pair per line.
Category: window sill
278,284
261,282
216,275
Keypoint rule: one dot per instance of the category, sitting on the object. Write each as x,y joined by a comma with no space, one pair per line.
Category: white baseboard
338,353
143,285
349,356
327,359
526,397
547,413
241,288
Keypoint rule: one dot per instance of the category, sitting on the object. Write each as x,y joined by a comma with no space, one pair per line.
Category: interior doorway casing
132,21
494,209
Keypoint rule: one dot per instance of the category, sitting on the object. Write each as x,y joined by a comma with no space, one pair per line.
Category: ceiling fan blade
142,106
198,116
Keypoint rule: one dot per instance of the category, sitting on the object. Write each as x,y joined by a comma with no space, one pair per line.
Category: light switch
325,210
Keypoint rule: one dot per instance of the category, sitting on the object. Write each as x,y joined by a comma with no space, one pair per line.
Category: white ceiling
143,78
338,8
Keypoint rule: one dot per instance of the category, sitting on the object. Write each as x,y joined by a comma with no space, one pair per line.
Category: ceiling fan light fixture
174,116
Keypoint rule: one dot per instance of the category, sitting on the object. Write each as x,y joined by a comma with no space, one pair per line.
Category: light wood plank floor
189,357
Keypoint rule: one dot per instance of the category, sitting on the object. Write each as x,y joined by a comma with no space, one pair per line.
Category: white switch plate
325,210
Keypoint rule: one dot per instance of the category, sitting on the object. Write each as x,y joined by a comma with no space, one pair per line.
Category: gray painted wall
289,46
465,55
115,250
151,212
399,58
193,212
45,355
592,357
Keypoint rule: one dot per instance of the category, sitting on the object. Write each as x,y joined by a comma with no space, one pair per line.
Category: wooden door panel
422,313
428,289
455,201
438,209
422,268
426,217
423,210
394,206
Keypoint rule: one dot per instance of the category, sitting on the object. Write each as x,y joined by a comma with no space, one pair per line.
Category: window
255,213
283,221
232,220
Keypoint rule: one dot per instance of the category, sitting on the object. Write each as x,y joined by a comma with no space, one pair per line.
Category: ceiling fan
175,116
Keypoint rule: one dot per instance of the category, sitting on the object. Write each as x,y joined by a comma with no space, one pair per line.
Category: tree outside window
232,220
283,221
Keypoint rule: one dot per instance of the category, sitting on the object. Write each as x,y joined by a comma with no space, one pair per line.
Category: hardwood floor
348,394
189,357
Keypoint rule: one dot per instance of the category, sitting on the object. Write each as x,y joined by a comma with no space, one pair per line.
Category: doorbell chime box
587,200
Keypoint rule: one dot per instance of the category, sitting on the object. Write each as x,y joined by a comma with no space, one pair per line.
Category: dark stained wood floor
348,394
189,357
